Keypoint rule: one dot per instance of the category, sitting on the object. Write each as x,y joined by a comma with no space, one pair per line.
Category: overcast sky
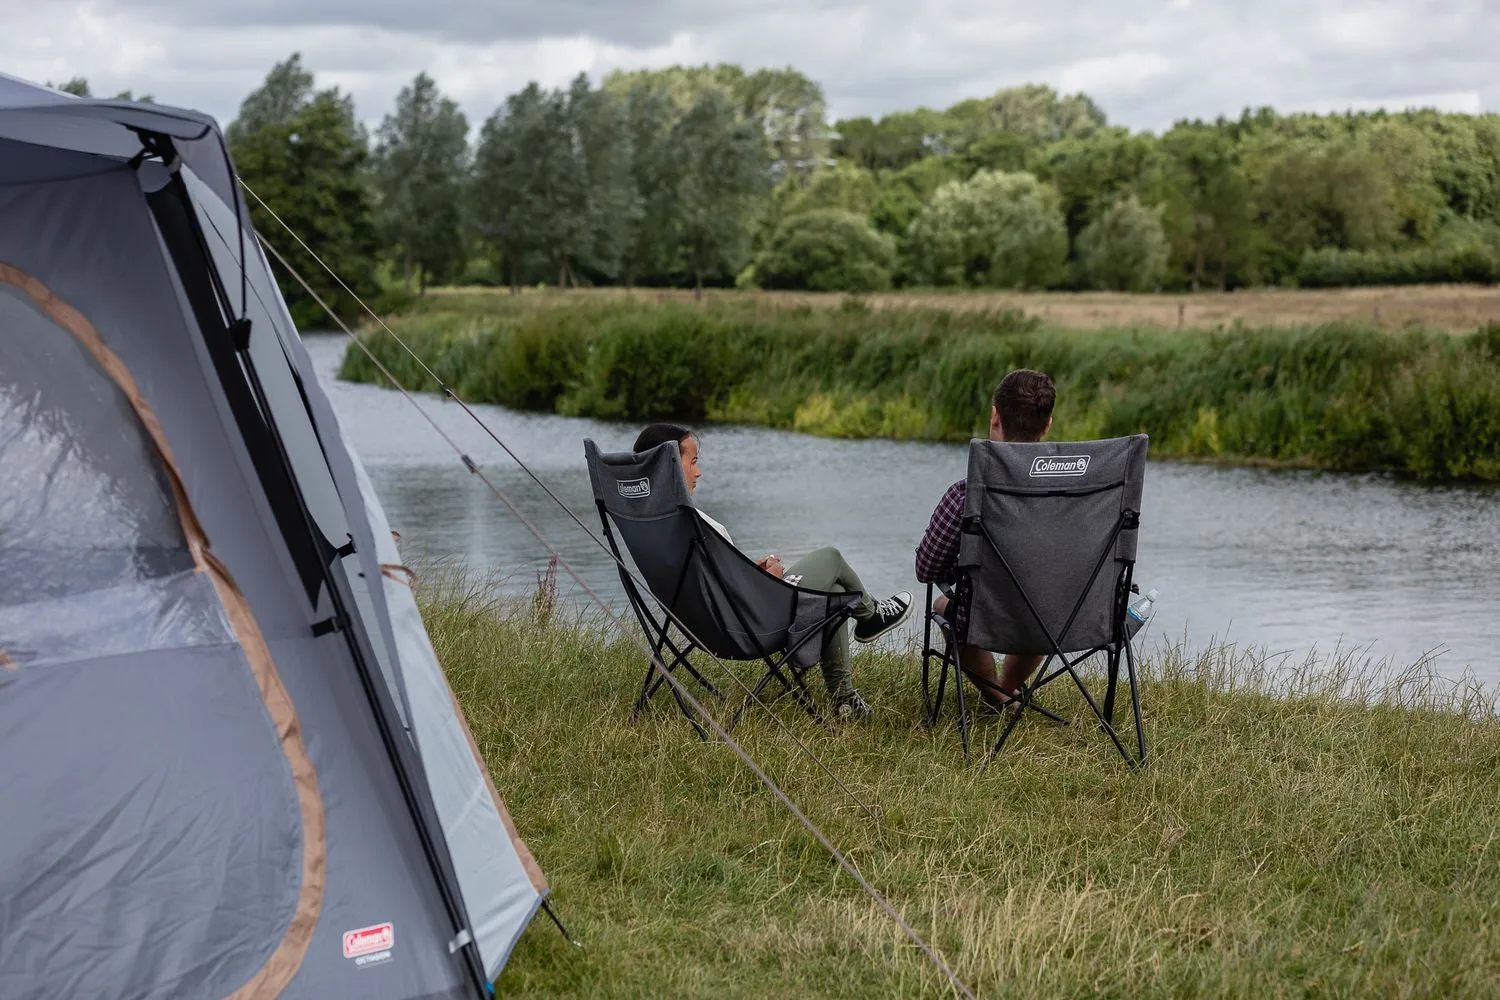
1147,62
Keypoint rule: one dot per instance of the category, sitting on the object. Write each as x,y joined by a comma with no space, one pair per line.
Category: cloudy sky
1148,62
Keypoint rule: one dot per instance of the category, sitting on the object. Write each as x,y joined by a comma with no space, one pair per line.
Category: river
1288,561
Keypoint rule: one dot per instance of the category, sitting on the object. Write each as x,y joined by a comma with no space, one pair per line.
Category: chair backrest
731,606
1063,517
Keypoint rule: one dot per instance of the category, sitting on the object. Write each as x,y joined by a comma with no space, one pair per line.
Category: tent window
93,559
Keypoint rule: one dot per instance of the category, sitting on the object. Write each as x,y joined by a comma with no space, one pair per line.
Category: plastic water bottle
1138,612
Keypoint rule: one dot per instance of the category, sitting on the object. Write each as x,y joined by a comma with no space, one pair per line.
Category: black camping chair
1045,567
719,599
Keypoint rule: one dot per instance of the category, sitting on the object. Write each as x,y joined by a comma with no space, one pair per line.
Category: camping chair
1045,567
718,598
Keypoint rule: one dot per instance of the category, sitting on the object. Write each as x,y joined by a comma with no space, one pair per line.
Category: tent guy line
452,394
679,689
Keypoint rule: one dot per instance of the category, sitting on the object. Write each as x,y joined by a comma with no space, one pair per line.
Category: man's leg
980,665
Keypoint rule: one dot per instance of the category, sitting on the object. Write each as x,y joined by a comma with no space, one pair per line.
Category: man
1021,410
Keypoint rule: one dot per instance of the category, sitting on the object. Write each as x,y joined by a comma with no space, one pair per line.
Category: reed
1339,395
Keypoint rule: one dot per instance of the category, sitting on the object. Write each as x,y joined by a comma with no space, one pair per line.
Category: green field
1299,833
1340,395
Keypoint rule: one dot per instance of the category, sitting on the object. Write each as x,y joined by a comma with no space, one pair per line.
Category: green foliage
724,173
648,366
1124,248
995,229
304,153
1466,262
1335,396
827,249
420,167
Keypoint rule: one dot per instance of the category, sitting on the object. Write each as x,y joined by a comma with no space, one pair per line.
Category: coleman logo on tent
1059,465
635,489
368,941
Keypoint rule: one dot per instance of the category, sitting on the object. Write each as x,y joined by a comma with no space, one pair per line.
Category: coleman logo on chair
1059,465
635,489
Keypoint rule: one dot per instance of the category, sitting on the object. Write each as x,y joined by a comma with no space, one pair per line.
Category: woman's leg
825,569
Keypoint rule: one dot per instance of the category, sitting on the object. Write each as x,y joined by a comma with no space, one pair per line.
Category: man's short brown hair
1024,400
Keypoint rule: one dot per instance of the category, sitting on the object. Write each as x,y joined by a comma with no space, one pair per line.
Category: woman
824,569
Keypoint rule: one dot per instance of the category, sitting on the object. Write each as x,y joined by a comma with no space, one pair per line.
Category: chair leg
1135,702
1111,684
963,708
1015,717
646,691
1109,730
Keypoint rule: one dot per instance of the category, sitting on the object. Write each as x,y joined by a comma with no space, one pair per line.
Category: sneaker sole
895,624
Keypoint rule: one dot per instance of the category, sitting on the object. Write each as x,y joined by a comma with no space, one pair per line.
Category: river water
1288,561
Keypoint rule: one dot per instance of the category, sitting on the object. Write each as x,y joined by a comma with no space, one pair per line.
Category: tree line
715,175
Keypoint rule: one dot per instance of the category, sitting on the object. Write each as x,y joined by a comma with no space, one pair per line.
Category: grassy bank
1338,396
1301,846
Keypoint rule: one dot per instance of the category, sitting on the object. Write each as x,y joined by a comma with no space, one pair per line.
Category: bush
1003,230
1124,248
827,250
1456,263
1338,396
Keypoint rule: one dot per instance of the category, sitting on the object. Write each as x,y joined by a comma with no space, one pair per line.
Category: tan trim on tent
284,962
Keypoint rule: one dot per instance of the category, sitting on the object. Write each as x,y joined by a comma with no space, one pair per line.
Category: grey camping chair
718,599
1045,567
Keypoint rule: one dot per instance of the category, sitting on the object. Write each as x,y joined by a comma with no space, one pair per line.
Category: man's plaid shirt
937,553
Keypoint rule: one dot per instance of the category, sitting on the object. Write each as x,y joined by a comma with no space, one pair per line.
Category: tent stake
547,906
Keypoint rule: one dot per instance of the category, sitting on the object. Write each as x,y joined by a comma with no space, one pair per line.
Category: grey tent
233,765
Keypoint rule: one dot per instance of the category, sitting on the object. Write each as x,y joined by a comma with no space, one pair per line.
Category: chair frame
1116,648
658,633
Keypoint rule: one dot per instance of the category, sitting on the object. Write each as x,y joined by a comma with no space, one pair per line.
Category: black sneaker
851,706
888,614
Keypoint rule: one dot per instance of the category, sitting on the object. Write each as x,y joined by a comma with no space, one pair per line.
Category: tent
233,765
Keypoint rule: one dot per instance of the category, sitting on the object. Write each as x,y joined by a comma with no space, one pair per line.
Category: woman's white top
715,525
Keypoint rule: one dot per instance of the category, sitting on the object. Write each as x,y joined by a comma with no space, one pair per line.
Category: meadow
1333,392
1304,829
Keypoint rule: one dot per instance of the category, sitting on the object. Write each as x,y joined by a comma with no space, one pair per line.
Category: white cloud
1147,62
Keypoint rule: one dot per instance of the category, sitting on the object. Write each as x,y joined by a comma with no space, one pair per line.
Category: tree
286,91
307,161
517,145
601,138
997,229
827,249
1208,209
905,191
421,159
650,236
1124,248
79,87
791,114
1091,173
724,172
1326,195
844,186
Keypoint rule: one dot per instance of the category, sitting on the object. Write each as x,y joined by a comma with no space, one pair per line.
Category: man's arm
937,553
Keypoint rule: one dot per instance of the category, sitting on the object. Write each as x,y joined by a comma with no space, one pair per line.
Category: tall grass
1338,396
1305,829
